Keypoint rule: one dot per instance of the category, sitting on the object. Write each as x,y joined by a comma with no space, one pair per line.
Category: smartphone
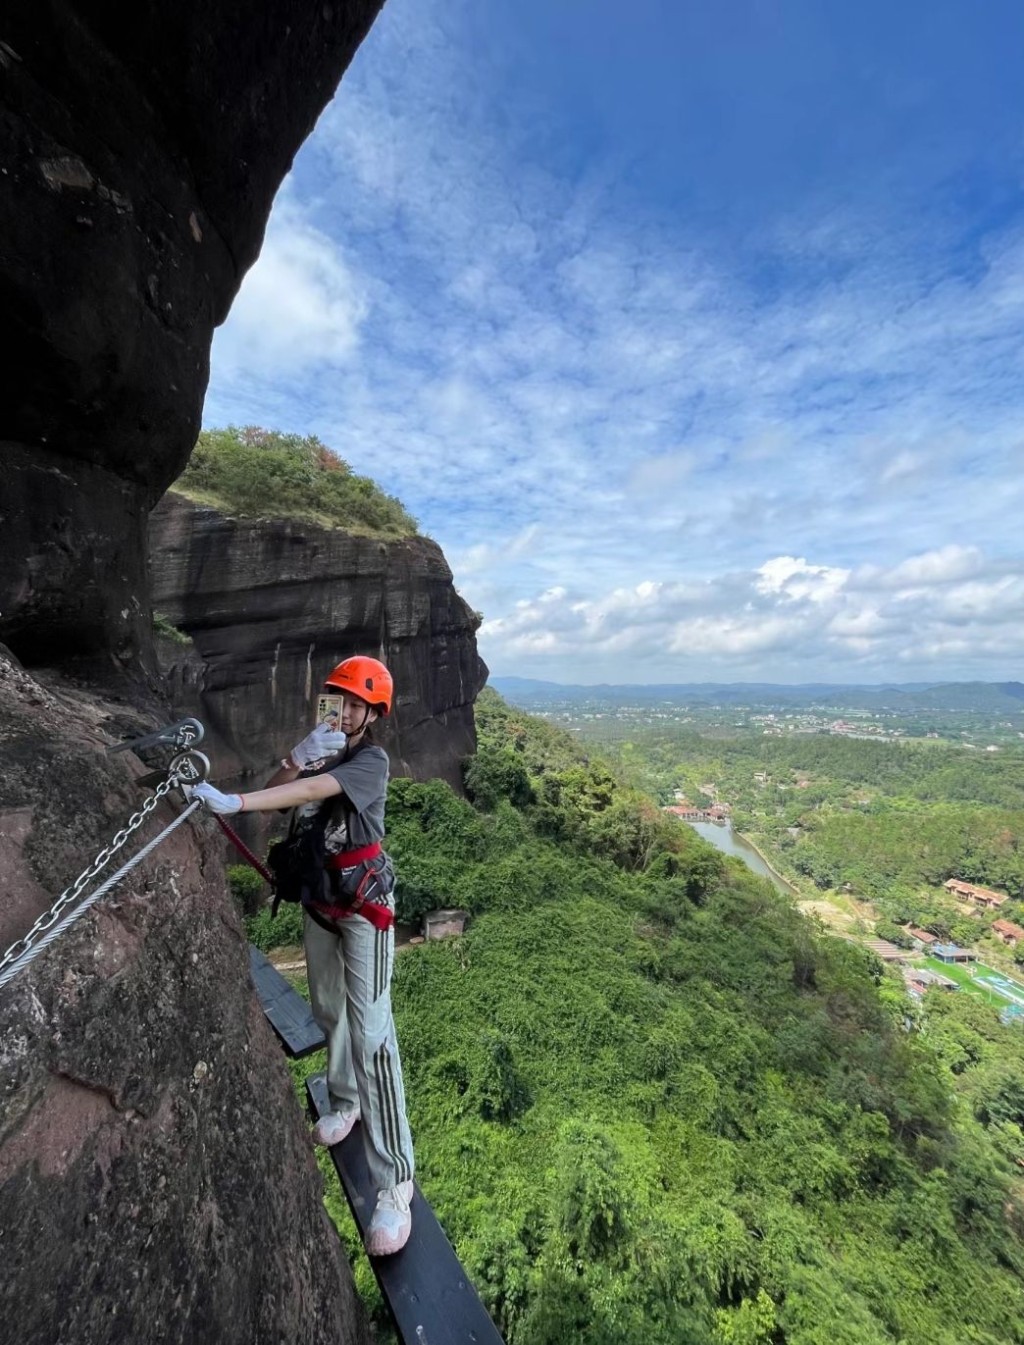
328,710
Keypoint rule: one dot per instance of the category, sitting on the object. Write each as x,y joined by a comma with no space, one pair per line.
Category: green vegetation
260,473
248,888
652,1105
284,931
889,822
163,626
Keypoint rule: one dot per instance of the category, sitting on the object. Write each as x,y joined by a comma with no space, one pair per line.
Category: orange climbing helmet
366,678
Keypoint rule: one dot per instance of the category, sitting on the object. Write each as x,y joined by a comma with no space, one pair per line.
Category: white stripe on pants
350,989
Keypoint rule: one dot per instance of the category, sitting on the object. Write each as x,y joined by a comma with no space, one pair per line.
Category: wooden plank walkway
427,1292
424,1285
287,1012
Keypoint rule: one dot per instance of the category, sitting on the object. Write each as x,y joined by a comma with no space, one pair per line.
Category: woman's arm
290,795
284,775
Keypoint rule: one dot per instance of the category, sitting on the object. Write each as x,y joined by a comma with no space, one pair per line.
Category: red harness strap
244,850
348,859
379,916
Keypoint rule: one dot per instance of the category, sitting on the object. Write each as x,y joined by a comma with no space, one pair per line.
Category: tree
591,1200
496,1089
497,773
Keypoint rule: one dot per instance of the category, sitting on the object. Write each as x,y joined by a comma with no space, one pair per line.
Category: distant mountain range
982,697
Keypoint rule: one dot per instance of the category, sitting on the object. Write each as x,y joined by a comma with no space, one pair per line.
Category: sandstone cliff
156,1182
156,1178
142,148
273,604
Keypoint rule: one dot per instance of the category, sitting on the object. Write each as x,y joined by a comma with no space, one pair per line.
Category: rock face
273,605
156,1182
156,1178
142,146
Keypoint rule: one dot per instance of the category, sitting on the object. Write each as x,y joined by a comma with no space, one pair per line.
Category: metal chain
9,973
16,953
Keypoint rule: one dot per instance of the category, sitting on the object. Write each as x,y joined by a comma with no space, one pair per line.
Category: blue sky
693,334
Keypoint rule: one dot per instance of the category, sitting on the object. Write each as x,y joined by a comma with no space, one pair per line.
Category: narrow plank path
427,1292
287,1012
424,1285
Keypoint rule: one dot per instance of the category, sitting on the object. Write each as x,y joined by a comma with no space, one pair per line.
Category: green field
966,981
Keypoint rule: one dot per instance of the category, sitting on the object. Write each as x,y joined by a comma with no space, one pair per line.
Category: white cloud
732,636
300,305
775,621
946,563
574,399
997,601
794,579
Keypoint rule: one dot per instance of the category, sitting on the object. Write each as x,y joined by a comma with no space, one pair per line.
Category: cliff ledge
273,604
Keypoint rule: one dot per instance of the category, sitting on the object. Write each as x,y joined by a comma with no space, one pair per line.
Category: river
722,837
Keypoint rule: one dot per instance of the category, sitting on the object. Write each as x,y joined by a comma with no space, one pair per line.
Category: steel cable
11,970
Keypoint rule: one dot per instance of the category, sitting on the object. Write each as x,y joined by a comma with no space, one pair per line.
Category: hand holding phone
325,741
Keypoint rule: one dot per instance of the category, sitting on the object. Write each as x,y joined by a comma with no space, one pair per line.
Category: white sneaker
392,1221
334,1126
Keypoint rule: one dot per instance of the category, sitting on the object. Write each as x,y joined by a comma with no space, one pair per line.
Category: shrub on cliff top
260,473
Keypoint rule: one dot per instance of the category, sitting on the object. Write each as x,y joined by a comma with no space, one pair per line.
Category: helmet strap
353,737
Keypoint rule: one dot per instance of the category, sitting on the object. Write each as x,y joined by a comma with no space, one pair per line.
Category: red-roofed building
977,896
1008,932
921,937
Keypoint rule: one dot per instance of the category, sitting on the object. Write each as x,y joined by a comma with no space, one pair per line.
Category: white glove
324,741
222,804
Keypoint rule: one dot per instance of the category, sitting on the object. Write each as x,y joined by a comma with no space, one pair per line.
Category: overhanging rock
142,147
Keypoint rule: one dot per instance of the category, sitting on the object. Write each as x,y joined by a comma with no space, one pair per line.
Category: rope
244,850
33,952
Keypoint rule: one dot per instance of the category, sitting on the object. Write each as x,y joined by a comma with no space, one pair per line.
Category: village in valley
951,713
923,958
960,966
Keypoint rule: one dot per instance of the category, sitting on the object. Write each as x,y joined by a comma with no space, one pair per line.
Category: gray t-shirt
356,817
364,782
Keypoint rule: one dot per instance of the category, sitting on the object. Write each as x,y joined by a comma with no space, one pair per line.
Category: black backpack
297,862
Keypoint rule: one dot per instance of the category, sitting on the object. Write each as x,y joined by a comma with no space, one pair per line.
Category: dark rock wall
272,605
142,146
157,1182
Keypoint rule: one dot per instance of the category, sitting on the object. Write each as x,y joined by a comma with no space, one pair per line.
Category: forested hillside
891,821
653,1106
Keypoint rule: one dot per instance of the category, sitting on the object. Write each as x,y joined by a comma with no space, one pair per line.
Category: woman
336,780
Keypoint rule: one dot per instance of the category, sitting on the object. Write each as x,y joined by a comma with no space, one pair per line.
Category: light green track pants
350,989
